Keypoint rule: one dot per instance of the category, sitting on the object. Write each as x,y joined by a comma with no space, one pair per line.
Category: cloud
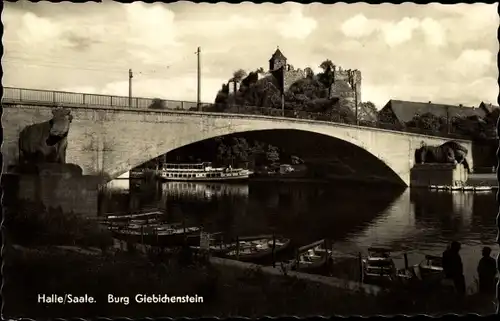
399,32
35,30
295,25
359,26
173,88
434,32
472,63
394,32
444,52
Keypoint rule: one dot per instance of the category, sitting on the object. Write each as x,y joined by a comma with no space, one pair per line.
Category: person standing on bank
453,267
487,272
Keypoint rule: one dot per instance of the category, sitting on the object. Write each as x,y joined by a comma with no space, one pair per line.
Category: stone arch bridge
110,141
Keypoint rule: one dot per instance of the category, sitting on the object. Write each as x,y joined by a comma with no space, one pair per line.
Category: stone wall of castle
292,76
346,87
343,76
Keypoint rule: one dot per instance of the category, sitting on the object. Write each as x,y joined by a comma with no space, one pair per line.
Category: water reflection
202,191
353,217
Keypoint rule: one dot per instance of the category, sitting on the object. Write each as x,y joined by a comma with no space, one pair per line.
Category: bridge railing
11,94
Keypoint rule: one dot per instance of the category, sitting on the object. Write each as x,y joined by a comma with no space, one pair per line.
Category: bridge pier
63,188
425,175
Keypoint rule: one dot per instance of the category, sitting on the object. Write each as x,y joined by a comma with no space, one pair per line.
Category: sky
434,52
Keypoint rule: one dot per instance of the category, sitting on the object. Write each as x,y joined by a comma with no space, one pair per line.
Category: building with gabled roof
401,111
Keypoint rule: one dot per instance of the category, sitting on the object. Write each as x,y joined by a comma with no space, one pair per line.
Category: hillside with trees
306,98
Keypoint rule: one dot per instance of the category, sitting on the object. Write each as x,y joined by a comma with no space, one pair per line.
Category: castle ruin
346,87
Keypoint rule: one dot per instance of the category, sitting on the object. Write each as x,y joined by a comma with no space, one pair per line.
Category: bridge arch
111,141
331,156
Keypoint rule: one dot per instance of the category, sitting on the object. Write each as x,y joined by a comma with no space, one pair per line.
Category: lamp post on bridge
130,76
198,100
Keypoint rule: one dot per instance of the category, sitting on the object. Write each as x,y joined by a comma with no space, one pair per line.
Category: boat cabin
184,167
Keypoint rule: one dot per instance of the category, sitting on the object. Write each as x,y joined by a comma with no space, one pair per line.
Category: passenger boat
252,248
202,172
379,266
168,234
311,257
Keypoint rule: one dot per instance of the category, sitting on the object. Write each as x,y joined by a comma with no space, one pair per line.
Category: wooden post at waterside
142,235
273,250
405,255
184,228
327,255
237,248
297,261
360,262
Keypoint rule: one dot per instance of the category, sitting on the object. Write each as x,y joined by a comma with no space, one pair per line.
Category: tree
239,74
309,73
272,154
158,104
240,149
367,111
428,121
328,75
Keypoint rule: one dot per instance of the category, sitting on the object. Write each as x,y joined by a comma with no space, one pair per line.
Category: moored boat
431,268
311,257
165,235
379,266
138,215
482,188
253,248
202,172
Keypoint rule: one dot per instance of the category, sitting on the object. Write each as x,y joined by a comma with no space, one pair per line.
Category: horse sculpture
46,142
449,152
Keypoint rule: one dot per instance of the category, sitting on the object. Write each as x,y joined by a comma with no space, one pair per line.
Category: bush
30,223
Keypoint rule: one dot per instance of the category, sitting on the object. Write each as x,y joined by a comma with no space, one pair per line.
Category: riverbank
50,252
227,289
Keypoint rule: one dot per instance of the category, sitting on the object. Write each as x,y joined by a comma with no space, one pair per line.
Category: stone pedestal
424,175
61,186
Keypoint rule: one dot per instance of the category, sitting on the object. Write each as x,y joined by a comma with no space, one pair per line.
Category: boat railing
379,250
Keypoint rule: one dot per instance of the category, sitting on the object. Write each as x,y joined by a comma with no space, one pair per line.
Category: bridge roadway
111,140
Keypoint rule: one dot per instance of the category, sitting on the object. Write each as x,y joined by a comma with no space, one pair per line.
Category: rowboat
311,257
431,268
133,217
146,226
482,188
215,246
252,248
379,266
166,235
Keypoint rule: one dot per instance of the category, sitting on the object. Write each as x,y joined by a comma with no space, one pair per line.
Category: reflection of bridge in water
203,190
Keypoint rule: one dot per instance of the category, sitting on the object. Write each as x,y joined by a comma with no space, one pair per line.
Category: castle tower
277,60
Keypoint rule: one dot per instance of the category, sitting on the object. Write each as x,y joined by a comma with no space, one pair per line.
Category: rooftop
278,55
406,110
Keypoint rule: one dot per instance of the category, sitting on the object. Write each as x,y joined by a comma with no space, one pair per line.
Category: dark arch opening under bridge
327,157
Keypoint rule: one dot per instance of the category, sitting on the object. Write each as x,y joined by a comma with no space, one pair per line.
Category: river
354,217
